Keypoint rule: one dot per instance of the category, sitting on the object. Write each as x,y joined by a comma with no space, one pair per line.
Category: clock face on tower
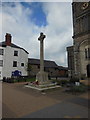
85,5
81,17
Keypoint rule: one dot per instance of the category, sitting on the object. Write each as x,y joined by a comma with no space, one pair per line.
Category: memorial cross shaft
41,39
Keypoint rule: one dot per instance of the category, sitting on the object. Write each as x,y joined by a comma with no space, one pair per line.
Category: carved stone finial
42,36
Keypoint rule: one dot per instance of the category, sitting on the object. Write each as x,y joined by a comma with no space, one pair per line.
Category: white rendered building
13,59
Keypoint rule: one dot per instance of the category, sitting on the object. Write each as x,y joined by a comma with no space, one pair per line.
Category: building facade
70,56
13,59
50,67
79,61
63,71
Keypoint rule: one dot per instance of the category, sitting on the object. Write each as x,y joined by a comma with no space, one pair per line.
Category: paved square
21,102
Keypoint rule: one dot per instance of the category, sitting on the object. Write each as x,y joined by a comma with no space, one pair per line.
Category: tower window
87,53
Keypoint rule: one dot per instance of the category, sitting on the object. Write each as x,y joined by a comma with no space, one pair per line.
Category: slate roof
62,68
3,44
47,63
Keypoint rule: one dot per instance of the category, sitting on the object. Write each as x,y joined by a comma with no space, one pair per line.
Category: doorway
88,70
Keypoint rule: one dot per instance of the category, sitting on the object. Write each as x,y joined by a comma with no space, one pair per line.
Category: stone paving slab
0,109
85,95
21,101
61,110
80,101
7,112
0,99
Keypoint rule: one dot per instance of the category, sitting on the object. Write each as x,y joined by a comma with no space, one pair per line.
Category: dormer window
15,53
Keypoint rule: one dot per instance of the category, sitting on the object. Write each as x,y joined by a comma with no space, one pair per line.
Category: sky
25,20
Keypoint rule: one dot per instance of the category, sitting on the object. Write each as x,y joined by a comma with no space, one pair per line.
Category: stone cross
41,38
42,76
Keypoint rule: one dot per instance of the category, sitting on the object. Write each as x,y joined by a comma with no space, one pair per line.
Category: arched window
87,53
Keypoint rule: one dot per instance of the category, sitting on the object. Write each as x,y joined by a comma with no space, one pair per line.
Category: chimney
8,39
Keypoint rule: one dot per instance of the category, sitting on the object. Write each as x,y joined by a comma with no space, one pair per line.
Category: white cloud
58,31
16,20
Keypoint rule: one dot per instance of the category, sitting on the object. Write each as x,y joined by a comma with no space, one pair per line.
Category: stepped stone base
41,88
43,82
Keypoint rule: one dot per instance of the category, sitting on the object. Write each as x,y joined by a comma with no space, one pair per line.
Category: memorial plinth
42,77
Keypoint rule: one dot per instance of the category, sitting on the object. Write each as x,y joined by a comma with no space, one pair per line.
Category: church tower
81,39
79,53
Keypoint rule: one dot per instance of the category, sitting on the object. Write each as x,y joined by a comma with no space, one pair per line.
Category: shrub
81,88
62,82
4,79
83,76
88,87
74,79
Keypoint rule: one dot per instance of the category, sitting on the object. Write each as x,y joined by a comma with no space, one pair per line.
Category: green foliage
74,79
62,82
54,80
30,79
24,80
29,67
81,88
83,76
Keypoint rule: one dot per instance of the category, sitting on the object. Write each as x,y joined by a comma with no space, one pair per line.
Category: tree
28,68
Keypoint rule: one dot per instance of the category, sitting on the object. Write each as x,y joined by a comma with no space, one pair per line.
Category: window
15,53
55,68
87,53
22,64
38,66
1,63
14,63
1,51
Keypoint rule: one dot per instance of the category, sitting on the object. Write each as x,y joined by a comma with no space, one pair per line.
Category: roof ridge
13,45
39,59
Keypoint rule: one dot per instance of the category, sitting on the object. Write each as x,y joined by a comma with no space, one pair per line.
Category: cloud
43,0
16,19
58,31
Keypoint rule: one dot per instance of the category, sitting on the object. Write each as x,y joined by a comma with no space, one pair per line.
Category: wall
79,57
35,69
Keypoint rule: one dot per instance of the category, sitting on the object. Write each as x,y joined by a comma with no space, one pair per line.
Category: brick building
49,66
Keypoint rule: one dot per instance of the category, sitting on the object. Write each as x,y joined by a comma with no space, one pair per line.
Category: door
88,70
